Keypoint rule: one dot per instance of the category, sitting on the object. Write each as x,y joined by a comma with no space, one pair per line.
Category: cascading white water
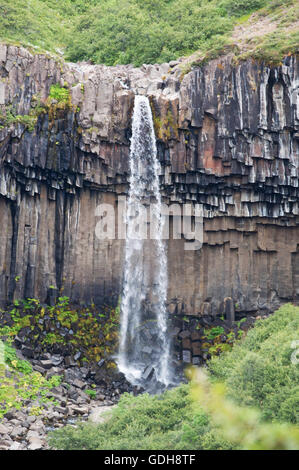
144,353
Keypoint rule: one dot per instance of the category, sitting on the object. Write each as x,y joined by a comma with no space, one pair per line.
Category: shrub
259,371
241,425
59,94
20,384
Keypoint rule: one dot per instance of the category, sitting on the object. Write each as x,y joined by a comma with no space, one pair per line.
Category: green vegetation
214,332
60,94
165,126
18,384
9,117
250,400
284,40
242,426
87,330
145,31
149,31
57,103
258,371
91,393
145,422
240,7
35,23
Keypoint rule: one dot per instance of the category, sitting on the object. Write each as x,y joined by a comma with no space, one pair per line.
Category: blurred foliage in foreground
206,414
242,426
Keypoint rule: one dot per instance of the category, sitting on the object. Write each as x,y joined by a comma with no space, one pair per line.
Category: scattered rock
184,334
46,364
27,352
4,429
100,414
148,372
35,443
38,426
15,446
79,410
56,360
101,362
187,356
79,383
69,361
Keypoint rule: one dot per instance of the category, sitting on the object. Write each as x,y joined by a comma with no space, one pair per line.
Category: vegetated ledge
227,138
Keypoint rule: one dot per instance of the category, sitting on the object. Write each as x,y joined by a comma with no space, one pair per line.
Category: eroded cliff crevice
227,137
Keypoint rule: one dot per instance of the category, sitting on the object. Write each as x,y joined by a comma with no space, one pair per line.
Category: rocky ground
24,430
20,431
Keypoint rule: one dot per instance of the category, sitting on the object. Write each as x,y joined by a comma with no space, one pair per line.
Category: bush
37,22
123,31
241,425
59,94
259,371
19,384
240,7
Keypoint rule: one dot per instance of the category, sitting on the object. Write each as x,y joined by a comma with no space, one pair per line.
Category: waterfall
144,350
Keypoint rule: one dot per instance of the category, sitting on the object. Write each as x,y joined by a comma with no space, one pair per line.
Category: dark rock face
228,138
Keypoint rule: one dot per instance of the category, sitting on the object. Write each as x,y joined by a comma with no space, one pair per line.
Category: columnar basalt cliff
227,137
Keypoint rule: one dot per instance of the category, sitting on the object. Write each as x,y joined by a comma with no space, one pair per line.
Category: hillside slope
151,31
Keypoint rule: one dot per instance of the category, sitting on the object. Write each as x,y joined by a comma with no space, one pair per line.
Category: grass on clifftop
149,31
250,400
